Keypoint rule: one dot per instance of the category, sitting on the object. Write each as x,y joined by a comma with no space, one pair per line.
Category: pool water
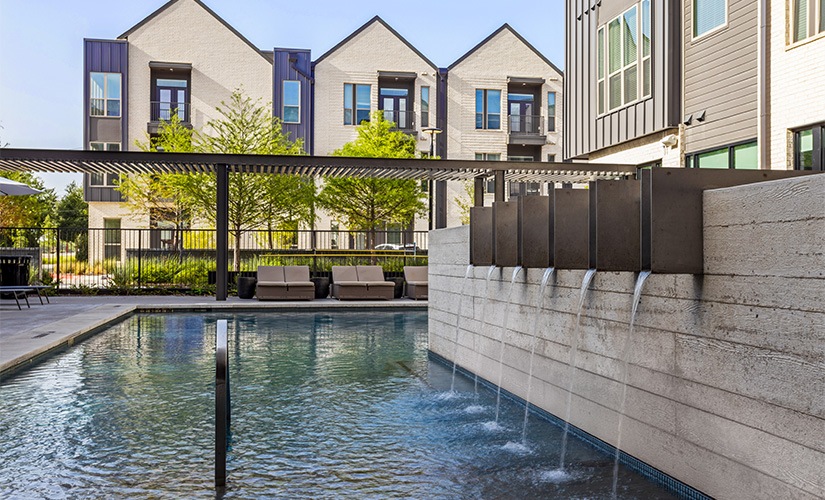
324,405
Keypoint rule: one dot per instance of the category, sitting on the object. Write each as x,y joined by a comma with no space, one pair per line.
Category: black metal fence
117,258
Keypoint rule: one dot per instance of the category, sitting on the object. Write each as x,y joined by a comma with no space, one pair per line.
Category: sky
41,46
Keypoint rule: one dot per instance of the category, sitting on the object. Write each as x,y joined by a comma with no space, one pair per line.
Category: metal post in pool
221,402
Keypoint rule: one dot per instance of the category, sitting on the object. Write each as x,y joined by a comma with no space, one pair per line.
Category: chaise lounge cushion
284,283
360,282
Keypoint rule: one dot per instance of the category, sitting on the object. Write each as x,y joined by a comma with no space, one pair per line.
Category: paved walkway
29,334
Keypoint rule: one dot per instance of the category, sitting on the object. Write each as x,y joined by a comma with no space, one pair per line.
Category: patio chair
417,282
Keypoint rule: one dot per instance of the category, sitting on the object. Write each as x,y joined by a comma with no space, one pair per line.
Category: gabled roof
376,19
168,4
505,26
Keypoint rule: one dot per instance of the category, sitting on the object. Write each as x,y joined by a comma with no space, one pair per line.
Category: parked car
388,246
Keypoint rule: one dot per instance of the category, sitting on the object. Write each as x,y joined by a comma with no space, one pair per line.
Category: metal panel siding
283,69
441,112
721,79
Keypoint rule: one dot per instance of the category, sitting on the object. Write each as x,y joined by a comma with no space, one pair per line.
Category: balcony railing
525,124
404,120
163,111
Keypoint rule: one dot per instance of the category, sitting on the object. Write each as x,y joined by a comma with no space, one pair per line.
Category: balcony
404,120
526,130
162,111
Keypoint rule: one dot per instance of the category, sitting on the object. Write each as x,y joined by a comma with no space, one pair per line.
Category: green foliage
465,202
367,203
32,211
72,209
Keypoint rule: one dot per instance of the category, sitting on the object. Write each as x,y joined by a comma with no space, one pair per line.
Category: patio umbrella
9,187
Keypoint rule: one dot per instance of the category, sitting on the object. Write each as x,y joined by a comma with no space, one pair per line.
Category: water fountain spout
548,273
516,270
574,348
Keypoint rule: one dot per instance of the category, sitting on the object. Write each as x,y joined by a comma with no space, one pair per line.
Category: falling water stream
458,323
574,348
483,321
628,343
507,307
539,306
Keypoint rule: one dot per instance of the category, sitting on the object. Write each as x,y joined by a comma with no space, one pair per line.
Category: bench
361,282
22,290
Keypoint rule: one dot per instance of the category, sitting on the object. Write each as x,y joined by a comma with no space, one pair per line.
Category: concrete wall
726,370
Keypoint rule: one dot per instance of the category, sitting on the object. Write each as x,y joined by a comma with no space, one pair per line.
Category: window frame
551,117
425,105
817,147
106,99
485,112
353,104
284,105
723,25
101,179
692,159
603,53
815,22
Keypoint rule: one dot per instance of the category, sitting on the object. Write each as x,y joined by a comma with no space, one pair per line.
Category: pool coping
79,327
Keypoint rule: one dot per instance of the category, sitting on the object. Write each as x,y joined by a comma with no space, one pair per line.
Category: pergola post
222,229
440,204
499,180
478,191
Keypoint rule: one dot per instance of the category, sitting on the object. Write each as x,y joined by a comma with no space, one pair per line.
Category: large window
172,98
356,104
490,185
743,156
551,111
104,94
99,179
425,106
111,239
809,152
708,15
488,109
623,63
292,101
807,18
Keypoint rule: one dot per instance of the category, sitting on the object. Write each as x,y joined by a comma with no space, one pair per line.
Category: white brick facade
797,85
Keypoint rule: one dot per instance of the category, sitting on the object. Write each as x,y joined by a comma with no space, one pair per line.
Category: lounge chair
361,282
284,283
417,282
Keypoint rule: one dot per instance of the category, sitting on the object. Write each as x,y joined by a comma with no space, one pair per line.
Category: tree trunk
236,260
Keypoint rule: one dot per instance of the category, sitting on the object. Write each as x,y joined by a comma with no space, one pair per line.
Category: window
104,94
743,156
488,109
425,106
356,104
551,111
551,158
111,239
809,152
292,101
395,103
708,15
524,189
624,71
172,96
807,18
490,185
99,179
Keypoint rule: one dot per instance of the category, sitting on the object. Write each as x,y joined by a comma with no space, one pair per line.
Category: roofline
364,27
518,35
207,9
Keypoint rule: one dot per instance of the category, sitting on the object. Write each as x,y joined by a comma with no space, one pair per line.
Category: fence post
57,255
140,252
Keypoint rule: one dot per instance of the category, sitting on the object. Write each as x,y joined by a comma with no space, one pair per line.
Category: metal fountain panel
671,213
536,231
505,227
571,228
481,236
615,226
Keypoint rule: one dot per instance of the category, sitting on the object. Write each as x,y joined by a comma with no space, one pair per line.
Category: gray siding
721,79
588,132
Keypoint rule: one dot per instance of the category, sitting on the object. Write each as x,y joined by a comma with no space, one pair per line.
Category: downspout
764,72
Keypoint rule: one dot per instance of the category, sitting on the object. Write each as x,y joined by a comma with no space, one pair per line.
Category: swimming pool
323,405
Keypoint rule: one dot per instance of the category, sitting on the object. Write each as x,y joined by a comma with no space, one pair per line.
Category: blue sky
41,45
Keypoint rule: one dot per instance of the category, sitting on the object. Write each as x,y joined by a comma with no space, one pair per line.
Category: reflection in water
324,405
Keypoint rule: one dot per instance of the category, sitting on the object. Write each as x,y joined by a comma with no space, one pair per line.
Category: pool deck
30,334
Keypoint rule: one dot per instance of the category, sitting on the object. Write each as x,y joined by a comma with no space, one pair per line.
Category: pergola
135,162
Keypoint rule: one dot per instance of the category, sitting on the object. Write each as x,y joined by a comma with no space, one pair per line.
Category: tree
73,213
30,211
365,203
246,127
465,202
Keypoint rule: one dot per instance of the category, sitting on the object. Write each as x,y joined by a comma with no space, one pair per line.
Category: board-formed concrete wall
726,373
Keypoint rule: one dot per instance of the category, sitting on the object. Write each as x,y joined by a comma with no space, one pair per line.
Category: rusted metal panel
481,236
615,238
536,231
571,228
505,226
